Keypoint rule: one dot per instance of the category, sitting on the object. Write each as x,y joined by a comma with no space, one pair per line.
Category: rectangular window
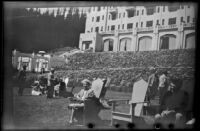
188,19
98,19
141,24
137,12
93,8
97,29
103,17
158,9
182,7
173,8
163,8
101,28
181,19
114,16
131,13
124,15
118,27
119,15
157,22
149,23
142,12
108,28
163,21
172,21
92,19
129,25
150,10
109,17
193,20
112,27
99,8
91,29
136,25
123,26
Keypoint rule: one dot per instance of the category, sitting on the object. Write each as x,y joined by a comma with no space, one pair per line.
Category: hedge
121,79
165,58
124,67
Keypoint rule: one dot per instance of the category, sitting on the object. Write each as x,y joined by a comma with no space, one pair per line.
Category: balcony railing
108,32
113,10
174,26
189,25
145,29
130,8
125,31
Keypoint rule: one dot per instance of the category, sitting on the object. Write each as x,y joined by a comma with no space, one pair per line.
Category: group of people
50,86
173,100
56,87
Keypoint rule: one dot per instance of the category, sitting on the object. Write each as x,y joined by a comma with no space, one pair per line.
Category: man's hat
86,81
52,69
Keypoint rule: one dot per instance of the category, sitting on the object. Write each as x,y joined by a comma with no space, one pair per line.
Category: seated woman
43,84
36,89
78,107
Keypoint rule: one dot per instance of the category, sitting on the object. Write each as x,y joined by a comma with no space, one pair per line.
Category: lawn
38,112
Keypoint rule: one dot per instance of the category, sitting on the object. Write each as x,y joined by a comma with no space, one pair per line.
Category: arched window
190,41
168,42
125,44
145,43
108,45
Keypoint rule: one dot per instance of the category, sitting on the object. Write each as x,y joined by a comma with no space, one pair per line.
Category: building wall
32,61
159,28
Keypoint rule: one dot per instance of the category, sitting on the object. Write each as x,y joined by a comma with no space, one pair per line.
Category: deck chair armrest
139,102
117,100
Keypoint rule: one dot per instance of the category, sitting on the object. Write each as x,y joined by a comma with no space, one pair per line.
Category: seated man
173,106
78,107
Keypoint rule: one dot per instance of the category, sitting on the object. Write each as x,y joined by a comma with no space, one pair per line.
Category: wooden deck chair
92,106
136,104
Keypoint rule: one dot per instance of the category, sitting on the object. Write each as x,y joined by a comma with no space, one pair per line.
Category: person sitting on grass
78,106
36,89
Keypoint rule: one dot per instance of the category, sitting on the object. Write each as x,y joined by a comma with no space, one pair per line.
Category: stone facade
140,28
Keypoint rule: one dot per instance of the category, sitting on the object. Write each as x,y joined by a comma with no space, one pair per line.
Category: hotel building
140,28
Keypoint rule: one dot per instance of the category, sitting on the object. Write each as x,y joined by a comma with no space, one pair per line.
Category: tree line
31,31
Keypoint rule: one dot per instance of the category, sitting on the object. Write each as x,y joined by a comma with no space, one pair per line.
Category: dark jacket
178,101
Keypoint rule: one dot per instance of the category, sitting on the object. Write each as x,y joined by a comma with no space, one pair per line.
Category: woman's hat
152,69
86,81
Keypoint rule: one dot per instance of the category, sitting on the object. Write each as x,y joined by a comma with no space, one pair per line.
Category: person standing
163,85
22,78
50,83
152,83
